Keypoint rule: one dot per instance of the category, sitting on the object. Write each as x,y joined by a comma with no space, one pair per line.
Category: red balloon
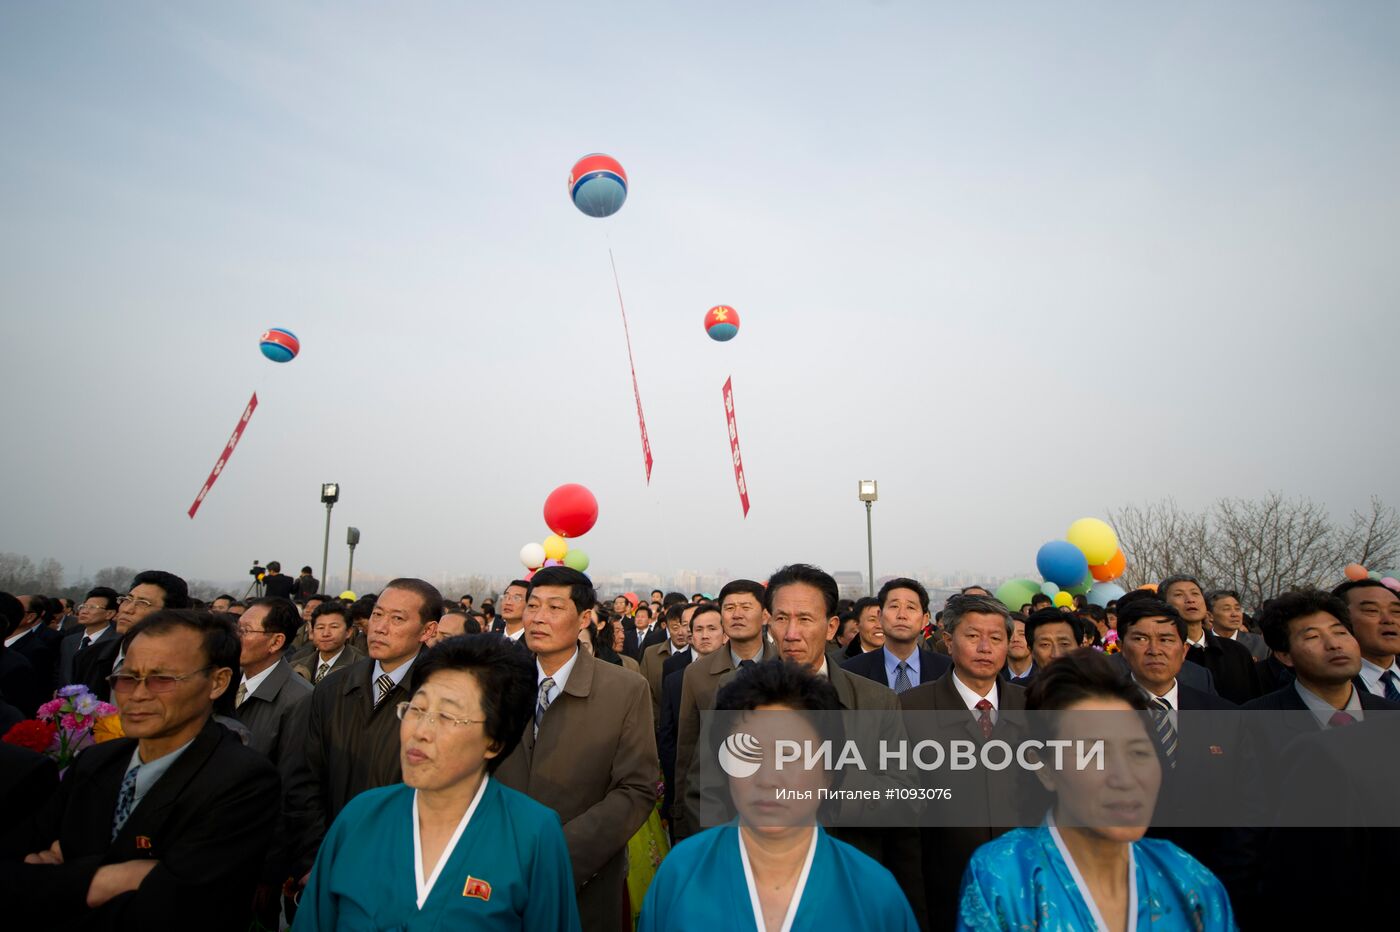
571,510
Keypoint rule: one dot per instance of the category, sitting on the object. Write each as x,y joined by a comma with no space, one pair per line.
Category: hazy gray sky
1018,262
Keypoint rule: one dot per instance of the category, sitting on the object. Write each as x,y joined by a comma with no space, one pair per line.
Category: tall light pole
330,493
869,495
352,537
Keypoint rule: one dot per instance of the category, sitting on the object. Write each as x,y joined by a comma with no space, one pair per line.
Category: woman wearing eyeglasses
449,847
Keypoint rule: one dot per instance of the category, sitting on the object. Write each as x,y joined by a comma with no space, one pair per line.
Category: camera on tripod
257,571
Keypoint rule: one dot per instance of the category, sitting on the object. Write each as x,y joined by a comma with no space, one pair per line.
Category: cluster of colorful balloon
1085,563
570,511
1389,578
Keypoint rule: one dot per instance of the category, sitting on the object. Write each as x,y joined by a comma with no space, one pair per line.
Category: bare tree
115,577
1260,547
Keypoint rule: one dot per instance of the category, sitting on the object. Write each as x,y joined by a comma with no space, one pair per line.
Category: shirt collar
251,683
333,659
892,666
970,698
396,675
152,771
560,676
1371,675
1322,709
1172,695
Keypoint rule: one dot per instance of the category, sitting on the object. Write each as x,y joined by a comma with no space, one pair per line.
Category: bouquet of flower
73,720
1110,642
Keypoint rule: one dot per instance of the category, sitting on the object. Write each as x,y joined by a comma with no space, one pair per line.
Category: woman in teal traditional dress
1088,866
774,869
449,848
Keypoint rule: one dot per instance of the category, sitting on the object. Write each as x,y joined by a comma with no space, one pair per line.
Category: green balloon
1017,592
576,560
1084,587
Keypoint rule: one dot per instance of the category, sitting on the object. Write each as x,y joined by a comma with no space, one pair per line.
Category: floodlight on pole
869,493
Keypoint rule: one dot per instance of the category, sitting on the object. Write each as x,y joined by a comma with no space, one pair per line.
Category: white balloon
532,555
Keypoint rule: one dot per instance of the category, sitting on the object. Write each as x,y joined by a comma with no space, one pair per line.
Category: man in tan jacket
590,752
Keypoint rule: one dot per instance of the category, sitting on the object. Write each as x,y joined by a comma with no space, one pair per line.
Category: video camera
257,571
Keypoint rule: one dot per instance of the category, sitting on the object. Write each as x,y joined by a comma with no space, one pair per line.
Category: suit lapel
267,690
845,688
149,815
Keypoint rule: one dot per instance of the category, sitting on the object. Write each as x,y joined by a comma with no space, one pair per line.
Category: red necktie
1339,719
985,719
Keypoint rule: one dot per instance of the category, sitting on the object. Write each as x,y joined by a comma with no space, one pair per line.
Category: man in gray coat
269,696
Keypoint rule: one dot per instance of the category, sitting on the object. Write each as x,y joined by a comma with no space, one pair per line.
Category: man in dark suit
744,619
151,591
167,824
648,631
1020,665
901,663
36,641
275,584
329,649
970,702
511,621
706,636
1375,620
1230,663
676,643
590,751
800,600
352,726
1227,621
27,780
97,622
20,686
269,694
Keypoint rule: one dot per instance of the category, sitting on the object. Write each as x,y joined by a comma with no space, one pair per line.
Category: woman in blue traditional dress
774,869
449,847
1088,866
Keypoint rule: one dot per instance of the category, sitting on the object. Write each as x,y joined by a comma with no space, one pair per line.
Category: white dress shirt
1371,676
970,697
1322,709
251,683
560,676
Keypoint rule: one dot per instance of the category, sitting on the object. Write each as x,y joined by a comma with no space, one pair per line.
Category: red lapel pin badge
477,888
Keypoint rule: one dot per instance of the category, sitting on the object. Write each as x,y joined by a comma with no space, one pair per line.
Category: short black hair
1342,590
11,613
778,682
1082,674
505,676
674,612
1216,594
740,586
282,618
106,593
1278,613
1048,616
331,607
219,633
432,598
864,602
1041,598
702,608
273,566
581,591
807,574
1164,587
644,607
231,599
177,592
306,569
671,598
514,583
904,582
1138,609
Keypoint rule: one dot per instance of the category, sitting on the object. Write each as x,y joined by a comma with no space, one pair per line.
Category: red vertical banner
734,444
636,393
228,451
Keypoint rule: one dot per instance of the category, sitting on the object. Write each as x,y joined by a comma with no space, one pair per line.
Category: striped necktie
321,671
901,677
241,694
1166,732
383,685
546,685
126,801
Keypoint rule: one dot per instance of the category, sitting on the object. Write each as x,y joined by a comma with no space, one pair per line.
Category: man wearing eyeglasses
96,617
150,591
165,828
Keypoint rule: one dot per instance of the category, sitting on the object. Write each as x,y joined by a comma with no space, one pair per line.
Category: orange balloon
1355,571
1112,569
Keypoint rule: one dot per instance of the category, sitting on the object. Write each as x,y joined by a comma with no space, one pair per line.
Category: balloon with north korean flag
722,323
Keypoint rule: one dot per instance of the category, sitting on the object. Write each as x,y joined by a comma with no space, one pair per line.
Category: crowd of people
404,761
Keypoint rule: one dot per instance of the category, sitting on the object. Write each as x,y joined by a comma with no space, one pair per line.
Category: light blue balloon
1049,588
1105,592
1061,563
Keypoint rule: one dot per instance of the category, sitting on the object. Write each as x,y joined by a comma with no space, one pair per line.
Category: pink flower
69,723
49,709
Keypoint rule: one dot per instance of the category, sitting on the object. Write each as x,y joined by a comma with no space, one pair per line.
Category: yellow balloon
555,547
1064,599
1095,538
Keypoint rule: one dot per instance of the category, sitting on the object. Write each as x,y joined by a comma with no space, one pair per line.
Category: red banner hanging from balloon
641,418
228,451
734,444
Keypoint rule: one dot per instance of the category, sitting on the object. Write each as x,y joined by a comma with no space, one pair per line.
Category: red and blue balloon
279,344
598,185
722,323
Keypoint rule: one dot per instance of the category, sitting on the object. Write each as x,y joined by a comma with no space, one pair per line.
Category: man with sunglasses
164,828
150,591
